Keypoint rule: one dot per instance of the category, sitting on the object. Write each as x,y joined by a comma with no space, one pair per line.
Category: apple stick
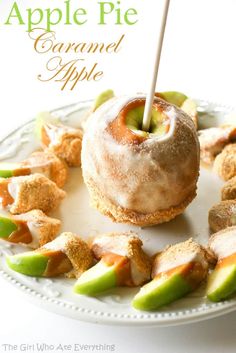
150,95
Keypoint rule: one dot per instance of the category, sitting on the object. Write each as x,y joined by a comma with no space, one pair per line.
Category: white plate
114,307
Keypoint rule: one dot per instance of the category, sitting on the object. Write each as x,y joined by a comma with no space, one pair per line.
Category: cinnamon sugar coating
77,251
46,227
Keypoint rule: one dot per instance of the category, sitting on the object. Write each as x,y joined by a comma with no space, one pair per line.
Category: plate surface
114,307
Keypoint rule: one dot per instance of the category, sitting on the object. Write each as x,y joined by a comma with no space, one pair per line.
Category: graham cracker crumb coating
222,215
228,191
225,162
122,215
36,192
78,253
182,253
69,147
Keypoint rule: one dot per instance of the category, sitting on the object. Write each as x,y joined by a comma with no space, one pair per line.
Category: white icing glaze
55,133
137,276
224,244
181,259
41,169
115,244
134,176
33,228
57,244
13,187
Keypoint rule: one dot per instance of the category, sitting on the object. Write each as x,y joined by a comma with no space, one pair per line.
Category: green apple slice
40,263
222,283
161,291
97,279
134,119
8,170
102,98
7,227
189,106
173,97
30,263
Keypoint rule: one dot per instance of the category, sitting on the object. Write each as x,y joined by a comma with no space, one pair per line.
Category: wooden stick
150,96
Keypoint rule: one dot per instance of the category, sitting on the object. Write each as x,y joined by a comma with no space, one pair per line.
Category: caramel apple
139,177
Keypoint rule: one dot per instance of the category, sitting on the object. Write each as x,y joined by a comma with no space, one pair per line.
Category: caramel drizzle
22,234
22,171
122,268
5,196
191,272
226,261
58,262
45,136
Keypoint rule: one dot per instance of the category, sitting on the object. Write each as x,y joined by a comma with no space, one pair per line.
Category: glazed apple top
144,172
127,127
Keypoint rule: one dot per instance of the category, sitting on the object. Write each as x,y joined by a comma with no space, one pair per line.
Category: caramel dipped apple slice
212,143
177,271
67,254
64,141
222,281
8,170
25,193
45,163
33,228
122,263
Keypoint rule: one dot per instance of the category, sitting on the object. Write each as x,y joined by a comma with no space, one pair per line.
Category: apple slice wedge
222,281
102,98
111,271
173,97
162,290
40,263
29,263
7,227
